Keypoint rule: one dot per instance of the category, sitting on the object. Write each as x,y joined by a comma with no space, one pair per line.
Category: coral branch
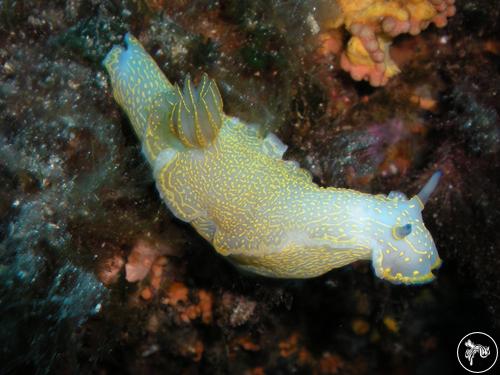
374,23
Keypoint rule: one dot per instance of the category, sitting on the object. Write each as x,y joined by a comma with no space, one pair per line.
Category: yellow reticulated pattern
263,213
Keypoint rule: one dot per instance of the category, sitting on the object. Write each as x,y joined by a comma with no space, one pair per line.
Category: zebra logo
483,351
477,352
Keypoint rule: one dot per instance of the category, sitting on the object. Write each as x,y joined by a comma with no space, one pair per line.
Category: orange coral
178,297
146,265
140,260
246,343
330,363
206,303
289,346
147,293
178,292
374,23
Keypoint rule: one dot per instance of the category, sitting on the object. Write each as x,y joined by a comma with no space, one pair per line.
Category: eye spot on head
401,231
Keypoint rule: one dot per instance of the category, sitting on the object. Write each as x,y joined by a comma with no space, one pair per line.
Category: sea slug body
261,212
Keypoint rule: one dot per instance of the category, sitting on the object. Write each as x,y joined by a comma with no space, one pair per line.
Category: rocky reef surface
96,276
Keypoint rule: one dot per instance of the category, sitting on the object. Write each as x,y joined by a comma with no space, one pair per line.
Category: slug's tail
137,82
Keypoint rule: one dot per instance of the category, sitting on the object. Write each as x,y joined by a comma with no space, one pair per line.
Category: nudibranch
263,213
374,23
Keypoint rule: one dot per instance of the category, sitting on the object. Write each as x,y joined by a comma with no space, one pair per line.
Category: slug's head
197,114
404,251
